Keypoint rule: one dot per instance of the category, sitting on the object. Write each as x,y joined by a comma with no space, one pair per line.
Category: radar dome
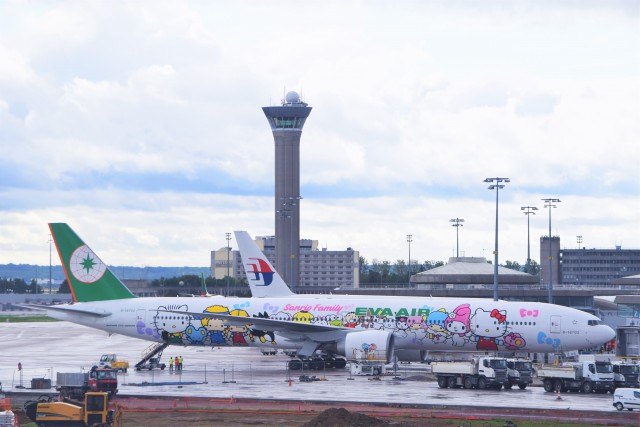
292,98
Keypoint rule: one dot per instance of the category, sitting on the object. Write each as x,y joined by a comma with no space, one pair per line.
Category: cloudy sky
140,124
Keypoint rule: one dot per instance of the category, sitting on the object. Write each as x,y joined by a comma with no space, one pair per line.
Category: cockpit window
595,322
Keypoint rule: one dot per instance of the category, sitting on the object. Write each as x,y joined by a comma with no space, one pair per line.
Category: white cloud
153,110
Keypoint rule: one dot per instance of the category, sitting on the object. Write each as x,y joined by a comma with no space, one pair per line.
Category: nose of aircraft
607,333
599,335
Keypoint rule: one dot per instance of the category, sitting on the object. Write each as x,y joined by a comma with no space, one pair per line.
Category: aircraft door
555,325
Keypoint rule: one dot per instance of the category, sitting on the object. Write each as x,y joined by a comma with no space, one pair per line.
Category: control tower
286,123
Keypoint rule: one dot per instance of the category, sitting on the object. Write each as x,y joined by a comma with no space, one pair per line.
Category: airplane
352,327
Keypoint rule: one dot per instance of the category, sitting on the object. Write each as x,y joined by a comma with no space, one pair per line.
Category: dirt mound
340,417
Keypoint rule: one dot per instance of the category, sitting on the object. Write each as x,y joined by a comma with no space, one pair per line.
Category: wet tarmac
46,348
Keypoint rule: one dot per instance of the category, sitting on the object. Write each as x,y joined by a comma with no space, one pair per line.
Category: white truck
480,372
519,372
626,375
577,376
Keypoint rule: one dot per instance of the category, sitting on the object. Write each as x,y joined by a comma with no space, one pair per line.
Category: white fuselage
445,324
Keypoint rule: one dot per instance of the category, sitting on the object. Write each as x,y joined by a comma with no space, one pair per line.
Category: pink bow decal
501,317
524,313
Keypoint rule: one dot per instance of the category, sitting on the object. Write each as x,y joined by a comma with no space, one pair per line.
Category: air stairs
151,351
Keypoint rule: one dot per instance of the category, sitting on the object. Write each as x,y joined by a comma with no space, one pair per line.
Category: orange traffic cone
558,397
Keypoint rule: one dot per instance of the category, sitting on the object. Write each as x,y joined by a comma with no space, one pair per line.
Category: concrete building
286,123
598,267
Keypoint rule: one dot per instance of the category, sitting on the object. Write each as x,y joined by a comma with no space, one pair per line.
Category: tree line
383,272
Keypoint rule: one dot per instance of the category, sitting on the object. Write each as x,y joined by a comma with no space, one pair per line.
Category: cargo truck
480,372
578,376
519,372
626,375
74,385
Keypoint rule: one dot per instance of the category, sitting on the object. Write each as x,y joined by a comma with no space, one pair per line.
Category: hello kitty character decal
487,327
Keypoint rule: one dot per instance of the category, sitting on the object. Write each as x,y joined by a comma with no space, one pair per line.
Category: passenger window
485,363
636,394
592,369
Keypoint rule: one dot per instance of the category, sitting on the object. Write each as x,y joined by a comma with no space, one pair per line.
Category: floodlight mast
497,186
528,210
457,223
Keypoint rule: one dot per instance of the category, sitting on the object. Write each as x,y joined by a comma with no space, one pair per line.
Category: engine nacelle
367,345
404,355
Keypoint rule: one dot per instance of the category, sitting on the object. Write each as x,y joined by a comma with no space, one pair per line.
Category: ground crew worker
180,360
171,364
177,364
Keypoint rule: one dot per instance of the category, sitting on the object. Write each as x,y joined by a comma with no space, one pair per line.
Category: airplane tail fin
264,280
89,278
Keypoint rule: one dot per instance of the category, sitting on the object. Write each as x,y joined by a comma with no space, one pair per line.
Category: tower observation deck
286,123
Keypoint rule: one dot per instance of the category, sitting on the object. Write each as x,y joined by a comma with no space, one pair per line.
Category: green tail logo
88,277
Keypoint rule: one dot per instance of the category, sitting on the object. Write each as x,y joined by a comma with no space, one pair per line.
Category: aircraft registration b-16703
346,325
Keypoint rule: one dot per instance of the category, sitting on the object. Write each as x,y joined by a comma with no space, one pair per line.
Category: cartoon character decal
350,320
215,327
436,331
171,326
514,341
487,327
486,330
238,333
261,334
458,325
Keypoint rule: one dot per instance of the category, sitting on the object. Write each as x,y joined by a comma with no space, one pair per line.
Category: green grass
17,319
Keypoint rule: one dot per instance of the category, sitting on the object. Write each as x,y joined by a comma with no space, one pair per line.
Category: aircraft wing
294,330
67,309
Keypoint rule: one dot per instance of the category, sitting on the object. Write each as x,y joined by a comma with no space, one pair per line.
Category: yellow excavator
92,412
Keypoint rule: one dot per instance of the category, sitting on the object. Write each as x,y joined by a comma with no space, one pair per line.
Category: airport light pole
550,204
497,186
528,210
409,240
457,224
228,237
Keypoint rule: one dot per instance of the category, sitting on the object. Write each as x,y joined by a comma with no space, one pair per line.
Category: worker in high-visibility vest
171,364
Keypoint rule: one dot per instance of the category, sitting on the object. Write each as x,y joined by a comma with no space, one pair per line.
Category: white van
626,398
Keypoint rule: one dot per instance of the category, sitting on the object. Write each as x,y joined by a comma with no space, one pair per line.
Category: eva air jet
354,327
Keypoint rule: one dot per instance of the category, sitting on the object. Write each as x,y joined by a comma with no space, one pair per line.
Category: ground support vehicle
317,362
577,376
111,360
626,375
74,385
151,364
626,398
480,372
519,372
92,411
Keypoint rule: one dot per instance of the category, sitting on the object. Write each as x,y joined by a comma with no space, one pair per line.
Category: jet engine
367,344
404,355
